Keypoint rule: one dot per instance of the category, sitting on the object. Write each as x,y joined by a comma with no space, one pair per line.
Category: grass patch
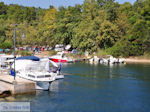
52,53
101,53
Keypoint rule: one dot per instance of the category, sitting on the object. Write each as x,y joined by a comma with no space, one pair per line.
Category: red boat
61,57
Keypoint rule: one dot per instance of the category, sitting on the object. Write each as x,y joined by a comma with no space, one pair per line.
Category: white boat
41,71
61,57
59,47
112,60
5,61
94,60
121,60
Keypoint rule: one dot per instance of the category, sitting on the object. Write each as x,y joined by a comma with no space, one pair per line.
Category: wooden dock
19,86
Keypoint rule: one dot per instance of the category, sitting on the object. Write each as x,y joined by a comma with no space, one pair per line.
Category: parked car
74,51
59,47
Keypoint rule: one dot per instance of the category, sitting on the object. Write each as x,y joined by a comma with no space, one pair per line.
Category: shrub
146,55
6,45
125,49
101,53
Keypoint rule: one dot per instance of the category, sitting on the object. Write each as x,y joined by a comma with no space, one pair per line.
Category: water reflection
94,71
55,86
94,88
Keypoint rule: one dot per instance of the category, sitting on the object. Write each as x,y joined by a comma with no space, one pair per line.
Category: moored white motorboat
112,60
108,60
40,71
95,60
5,60
61,57
42,79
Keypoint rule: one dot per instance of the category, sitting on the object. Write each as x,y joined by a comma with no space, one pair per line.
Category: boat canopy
33,58
29,65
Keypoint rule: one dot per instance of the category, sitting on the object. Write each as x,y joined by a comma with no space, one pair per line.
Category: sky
47,3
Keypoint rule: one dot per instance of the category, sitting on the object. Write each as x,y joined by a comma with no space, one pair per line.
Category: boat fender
12,72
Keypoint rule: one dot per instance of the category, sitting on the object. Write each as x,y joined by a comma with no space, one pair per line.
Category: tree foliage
94,25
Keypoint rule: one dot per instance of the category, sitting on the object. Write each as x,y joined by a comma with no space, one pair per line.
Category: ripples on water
96,88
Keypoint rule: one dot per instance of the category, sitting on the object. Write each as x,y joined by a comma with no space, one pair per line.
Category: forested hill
119,29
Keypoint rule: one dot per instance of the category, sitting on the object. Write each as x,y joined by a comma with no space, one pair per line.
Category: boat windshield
38,66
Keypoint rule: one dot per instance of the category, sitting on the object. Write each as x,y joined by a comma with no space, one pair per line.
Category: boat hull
59,77
42,85
60,60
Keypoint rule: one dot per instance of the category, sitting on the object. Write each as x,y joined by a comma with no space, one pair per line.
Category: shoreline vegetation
101,26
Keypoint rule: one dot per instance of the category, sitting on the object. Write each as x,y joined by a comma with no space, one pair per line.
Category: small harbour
95,88
75,56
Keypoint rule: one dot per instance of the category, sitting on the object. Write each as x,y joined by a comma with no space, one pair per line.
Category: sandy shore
136,60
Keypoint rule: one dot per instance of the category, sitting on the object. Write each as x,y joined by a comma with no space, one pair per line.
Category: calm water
96,88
